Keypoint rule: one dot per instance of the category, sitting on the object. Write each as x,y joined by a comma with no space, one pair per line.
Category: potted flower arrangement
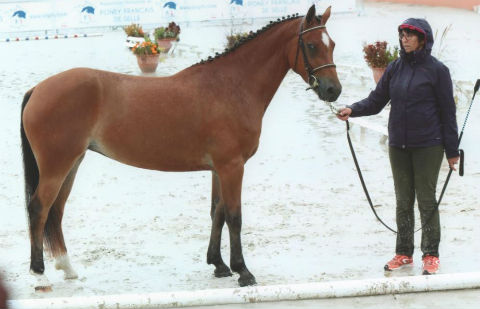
378,56
148,54
134,33
165,35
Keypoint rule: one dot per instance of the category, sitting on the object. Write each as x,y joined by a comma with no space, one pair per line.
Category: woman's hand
344,113
452,162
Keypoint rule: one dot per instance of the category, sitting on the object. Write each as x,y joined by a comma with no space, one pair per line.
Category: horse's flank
136,119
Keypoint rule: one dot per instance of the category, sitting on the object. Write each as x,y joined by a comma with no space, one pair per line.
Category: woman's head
411,38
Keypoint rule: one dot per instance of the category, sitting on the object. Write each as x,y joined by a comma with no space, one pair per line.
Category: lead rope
334,110
363,181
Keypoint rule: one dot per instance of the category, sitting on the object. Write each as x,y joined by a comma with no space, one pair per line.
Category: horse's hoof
41,282
43,289
222,271
247,280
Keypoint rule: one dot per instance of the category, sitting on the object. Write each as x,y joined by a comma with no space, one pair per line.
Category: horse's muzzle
328,90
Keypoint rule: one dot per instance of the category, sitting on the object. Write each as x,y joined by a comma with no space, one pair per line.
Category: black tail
29,163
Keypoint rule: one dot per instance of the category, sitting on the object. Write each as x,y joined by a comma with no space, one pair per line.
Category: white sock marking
63,263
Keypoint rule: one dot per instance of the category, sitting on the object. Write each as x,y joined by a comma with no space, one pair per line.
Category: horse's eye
311,46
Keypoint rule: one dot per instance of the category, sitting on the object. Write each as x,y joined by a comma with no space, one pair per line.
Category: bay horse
206,117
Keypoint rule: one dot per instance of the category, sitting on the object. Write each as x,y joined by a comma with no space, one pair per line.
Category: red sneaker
397,262
430,264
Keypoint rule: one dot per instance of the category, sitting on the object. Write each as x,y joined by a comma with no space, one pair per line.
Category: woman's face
410,41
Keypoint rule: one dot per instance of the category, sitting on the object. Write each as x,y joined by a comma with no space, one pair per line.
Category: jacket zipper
413,65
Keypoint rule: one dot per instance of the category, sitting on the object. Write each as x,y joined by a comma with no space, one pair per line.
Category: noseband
312,79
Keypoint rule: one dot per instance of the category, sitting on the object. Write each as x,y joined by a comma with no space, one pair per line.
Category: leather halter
312,79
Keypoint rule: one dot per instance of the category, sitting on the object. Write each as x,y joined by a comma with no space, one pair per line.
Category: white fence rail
350,288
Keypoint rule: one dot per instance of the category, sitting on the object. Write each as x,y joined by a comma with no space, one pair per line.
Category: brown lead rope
477,85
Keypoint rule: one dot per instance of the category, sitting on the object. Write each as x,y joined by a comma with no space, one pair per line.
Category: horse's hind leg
231,175
53,227
217,213
49,186
38,210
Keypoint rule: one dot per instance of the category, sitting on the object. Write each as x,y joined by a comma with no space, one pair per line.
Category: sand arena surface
305,217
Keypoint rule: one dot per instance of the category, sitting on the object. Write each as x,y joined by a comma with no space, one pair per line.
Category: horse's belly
158,155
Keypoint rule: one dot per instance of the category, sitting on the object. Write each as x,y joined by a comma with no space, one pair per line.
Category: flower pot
165,44
377,73
148,63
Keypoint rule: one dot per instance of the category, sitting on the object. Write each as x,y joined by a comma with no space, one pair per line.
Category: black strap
462,159
368,195
461,168
361,179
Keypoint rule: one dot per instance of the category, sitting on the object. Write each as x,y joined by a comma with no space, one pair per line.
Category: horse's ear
326,15
310,15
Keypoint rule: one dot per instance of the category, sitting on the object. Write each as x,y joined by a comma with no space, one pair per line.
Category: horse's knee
233,217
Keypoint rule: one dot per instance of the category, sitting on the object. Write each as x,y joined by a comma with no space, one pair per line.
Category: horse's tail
30,166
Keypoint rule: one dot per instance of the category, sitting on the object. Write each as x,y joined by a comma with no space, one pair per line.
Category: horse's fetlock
237,265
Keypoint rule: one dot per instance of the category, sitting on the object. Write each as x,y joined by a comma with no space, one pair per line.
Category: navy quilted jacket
422,106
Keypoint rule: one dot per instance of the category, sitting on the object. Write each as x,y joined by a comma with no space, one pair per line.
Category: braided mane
253,35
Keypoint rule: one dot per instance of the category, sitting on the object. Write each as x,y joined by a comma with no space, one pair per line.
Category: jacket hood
422,26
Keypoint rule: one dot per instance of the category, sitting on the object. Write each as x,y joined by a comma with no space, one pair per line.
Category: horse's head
312,56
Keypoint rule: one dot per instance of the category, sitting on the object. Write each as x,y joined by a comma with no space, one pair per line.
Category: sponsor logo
237,2
18,19
88,10
169,9
19,16
87,13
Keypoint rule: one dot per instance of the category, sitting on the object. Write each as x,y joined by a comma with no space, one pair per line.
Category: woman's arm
377,99
444,95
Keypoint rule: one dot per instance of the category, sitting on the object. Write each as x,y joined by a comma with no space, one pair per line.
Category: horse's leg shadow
217,214
231,176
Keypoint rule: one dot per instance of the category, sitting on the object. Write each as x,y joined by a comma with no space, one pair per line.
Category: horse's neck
258,66
263,62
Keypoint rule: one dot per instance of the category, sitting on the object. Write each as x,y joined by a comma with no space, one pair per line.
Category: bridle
312,79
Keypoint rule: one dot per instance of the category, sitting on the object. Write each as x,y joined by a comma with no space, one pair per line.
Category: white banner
50,14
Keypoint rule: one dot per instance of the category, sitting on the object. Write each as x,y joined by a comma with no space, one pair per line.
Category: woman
422,126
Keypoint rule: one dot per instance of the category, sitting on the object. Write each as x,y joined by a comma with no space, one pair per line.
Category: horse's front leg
217,213
231,176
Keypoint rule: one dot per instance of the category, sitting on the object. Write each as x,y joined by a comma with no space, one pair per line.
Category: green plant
170,32
146,48
134,30
234,38
377,55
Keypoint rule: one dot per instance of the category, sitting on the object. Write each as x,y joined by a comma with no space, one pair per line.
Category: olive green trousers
415,173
